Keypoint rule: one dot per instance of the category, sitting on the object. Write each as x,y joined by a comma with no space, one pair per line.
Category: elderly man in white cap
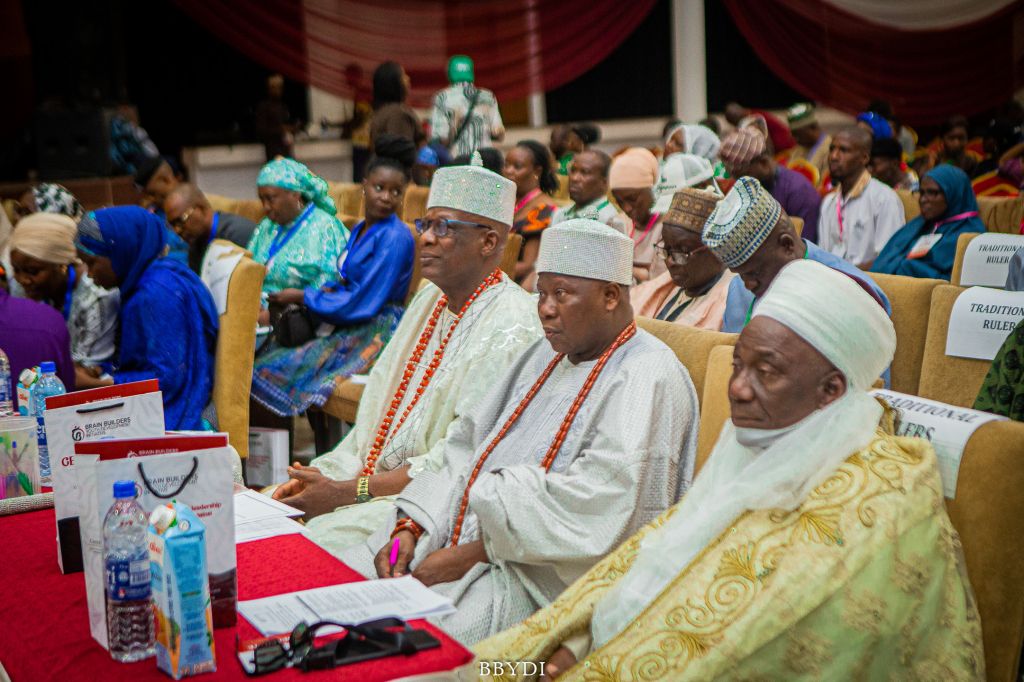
457,338
589,437
814,544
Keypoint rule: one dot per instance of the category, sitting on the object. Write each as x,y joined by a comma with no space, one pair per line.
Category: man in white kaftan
497,327
528,532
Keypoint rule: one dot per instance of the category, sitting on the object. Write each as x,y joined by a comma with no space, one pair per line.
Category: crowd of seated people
522,445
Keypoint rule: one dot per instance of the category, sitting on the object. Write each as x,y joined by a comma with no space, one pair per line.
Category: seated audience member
692,139
903,134
1001,172
529,165
590,436
168,320
356,312
679,171
631,179
744,153
1002,391
459,335
778,132
875,124
926,246
770,568
887,165
811,141
48,197
391,114
300,239
194,220
32,333
751,234
954,133
568,140
47,267
429,158
861,213
588,189
694,289
155,179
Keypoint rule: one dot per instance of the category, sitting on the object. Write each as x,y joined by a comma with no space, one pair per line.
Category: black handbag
294,326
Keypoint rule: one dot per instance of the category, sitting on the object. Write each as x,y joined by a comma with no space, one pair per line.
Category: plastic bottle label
128,580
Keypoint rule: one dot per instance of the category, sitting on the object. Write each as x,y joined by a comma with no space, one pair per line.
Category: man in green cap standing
464,117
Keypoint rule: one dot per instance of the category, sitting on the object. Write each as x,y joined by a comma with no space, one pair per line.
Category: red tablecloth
44,621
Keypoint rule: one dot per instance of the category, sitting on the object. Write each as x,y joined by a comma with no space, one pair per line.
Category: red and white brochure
120,448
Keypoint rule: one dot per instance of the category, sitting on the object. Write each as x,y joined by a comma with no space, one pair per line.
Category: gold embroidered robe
865,580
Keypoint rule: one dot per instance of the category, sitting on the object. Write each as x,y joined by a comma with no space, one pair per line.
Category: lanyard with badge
213,228
68,293
925,242
283,237
839,214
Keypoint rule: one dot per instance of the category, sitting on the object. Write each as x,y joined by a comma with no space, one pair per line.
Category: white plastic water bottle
130,626
47,386
6,391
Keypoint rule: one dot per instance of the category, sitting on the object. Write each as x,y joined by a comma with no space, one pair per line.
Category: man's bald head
188,211
848,155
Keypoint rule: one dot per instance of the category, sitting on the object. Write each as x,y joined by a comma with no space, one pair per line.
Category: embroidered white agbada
627,457
496,329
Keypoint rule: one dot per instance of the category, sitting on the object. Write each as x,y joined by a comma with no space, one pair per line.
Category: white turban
49,237
830,311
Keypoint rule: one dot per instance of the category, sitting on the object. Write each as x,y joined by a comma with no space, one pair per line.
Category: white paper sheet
352,603
980,321
266,528
215,271
947,427
252,506
987,259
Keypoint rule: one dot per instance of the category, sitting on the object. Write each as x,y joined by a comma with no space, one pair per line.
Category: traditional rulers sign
947,427
987,259
981,320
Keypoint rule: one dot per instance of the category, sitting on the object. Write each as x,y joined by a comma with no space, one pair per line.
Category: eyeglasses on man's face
677,256
182,220
442,226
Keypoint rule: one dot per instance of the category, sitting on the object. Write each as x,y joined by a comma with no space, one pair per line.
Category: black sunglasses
364,642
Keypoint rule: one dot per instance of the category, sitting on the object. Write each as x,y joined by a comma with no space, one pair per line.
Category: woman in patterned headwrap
48,197
168,319
300,239
46,265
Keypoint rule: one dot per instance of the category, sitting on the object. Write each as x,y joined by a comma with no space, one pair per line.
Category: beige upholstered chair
1001,214
236,343
911,205
691,345
958,261
948,379
910,298
414,205
714,407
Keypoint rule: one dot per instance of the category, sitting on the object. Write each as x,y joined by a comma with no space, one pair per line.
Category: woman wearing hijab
168,318
360,306
46,266
926,246
48,197
300,239
875,124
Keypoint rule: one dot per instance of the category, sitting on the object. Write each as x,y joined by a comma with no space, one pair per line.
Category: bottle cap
48,367
162,518
124,489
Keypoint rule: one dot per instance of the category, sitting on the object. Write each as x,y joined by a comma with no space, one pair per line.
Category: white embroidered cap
586,248
474,189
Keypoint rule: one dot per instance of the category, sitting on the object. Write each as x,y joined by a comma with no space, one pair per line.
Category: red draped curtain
844,60
519,46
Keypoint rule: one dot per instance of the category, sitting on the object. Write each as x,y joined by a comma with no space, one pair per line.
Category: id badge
923,245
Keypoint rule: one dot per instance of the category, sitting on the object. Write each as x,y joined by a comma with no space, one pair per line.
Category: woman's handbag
294,326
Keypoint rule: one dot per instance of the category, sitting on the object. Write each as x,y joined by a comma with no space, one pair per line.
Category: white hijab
698,140
858,338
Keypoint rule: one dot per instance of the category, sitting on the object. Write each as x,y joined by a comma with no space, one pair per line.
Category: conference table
44,620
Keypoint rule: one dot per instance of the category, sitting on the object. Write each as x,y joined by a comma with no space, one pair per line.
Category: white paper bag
267,463
201,478
134,410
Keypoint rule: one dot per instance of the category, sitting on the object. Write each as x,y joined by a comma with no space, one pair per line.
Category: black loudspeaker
72,144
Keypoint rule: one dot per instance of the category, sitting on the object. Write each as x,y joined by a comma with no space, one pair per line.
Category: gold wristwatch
363,490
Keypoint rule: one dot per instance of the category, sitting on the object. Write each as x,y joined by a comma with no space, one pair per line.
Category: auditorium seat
691,345
415,204
948,379
910,298
1001,214
236,341
247,208
988,512
562,193
958,261
714,407
911,207
348,197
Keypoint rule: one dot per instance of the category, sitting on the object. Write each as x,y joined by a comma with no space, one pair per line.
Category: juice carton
181,592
